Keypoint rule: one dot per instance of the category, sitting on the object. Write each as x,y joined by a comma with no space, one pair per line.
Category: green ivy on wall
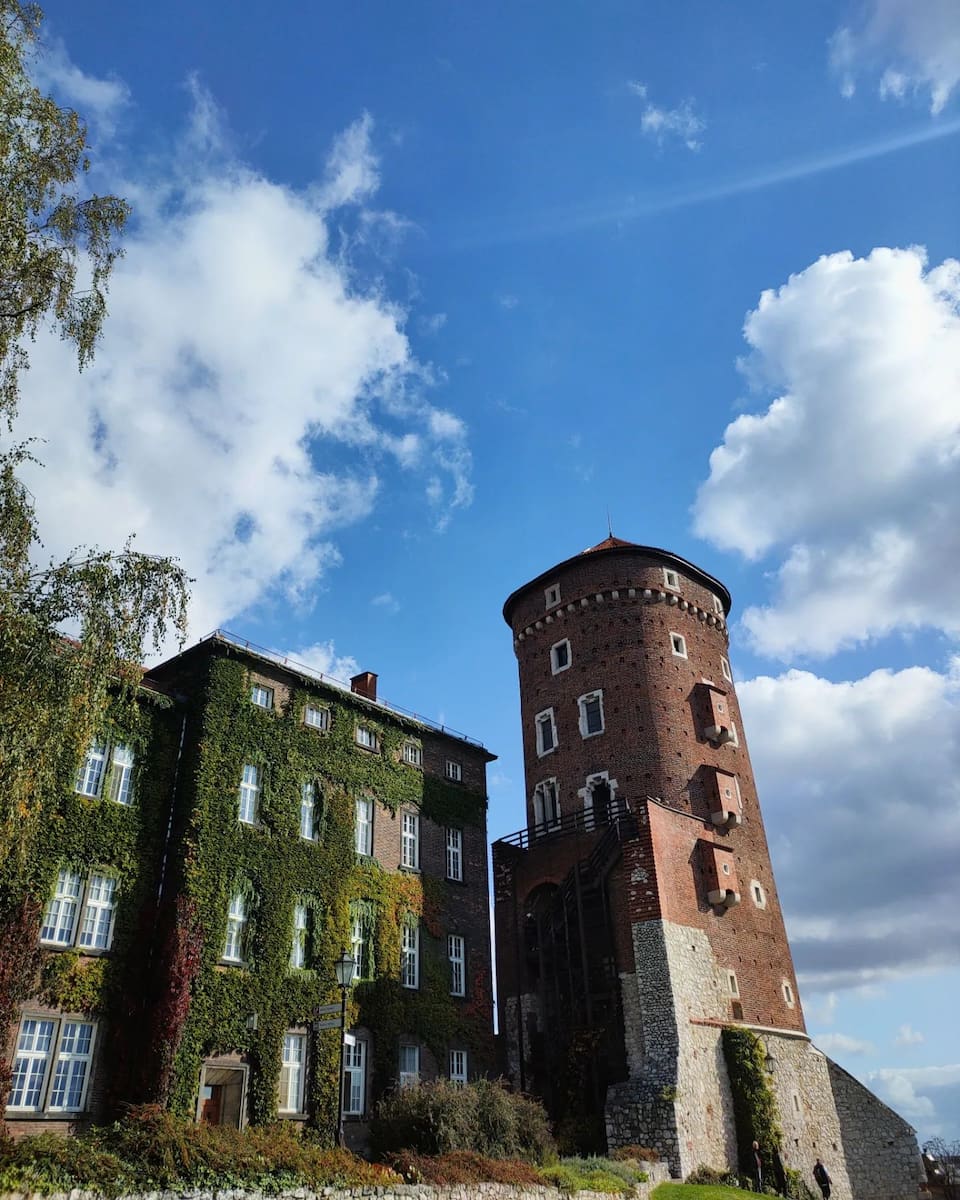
275,868
755,1110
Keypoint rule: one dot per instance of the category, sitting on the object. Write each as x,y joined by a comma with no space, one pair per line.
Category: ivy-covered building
203,869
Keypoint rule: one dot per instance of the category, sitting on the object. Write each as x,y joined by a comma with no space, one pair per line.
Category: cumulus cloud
249,395
852,472
850,774
842,1043
661,124
387,601
323,659
914,46
908,1036
100,101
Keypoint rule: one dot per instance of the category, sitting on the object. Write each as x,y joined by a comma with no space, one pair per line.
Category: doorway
222,1095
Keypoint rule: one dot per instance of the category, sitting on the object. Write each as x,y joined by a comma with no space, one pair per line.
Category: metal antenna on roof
609,524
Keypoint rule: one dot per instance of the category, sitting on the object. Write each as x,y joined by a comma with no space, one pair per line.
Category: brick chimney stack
364,684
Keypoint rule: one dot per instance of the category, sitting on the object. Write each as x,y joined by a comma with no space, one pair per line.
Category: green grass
697,1191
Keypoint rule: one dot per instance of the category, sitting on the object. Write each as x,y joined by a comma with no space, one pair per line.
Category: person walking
757,1167
822,1176
779,1172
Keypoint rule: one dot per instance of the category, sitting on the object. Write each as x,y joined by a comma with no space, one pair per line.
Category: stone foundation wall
657,1173
883,1158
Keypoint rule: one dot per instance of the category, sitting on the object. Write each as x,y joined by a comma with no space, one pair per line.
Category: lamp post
343,968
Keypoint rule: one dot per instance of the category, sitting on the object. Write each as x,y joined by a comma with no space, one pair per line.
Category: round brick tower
638,908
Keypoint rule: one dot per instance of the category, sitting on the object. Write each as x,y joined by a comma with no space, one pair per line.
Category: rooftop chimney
364,684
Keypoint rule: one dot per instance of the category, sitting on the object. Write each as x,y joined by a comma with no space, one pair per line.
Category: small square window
453,771
732,986
316,716
725,668
366,738
413,754
551,595
678,644
560,657
671,580
262,696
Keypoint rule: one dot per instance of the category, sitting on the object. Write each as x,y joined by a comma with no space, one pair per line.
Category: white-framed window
410,841
317,716
360,946
546,804
457,1068
298,947
671,579
455,854
456,952
560,656
758,894
678,645
236,928
733,987
355,1077
51,1065
80,911
725,668
413,754
718,606
366,737
551,595
292,1073
121,774
409,1065
591,714
308,810
90,775
93,771
261,695
546,728
788,997
250,782
364,818
453,771
410,954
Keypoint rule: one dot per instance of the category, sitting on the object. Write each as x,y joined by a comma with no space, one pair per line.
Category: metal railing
583,821
284,660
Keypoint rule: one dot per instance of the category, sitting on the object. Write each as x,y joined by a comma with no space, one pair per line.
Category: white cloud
849,775
900,1093
664,123
853,470
507,300
908,1036
915,44
322,657
386,601
100,102
842,1043
247,390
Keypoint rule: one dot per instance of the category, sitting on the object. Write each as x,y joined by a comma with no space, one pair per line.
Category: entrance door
222,1095
211,1103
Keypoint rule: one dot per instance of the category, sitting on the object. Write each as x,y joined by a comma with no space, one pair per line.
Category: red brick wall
656,708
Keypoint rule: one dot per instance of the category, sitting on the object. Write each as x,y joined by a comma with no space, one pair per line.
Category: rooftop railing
583,821
284,660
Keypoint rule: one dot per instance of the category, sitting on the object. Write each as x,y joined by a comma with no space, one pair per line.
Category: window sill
544,753
409,870
83,951
367,749
596,733
22,1114
461,882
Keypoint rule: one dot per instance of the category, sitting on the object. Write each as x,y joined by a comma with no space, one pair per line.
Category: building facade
636,913
206,867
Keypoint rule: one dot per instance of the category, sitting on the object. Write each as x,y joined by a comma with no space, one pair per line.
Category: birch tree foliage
58,244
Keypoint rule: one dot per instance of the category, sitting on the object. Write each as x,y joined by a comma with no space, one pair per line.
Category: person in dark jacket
757,1167
822,1177
779,1172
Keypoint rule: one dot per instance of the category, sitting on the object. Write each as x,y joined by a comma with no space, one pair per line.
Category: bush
635,1154
592,1174
462,1166
439,1118
711,1175
153,1149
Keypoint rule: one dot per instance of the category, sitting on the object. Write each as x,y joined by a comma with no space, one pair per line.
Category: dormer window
671,580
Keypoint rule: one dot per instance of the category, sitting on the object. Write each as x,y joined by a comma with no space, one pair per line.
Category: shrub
797,1186
592,1174
47,1162
712,1176
635,1154
440,1118
462,1166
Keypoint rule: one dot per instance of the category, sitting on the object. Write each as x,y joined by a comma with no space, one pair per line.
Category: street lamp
343,969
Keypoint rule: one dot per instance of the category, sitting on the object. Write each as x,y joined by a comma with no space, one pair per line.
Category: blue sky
415,295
